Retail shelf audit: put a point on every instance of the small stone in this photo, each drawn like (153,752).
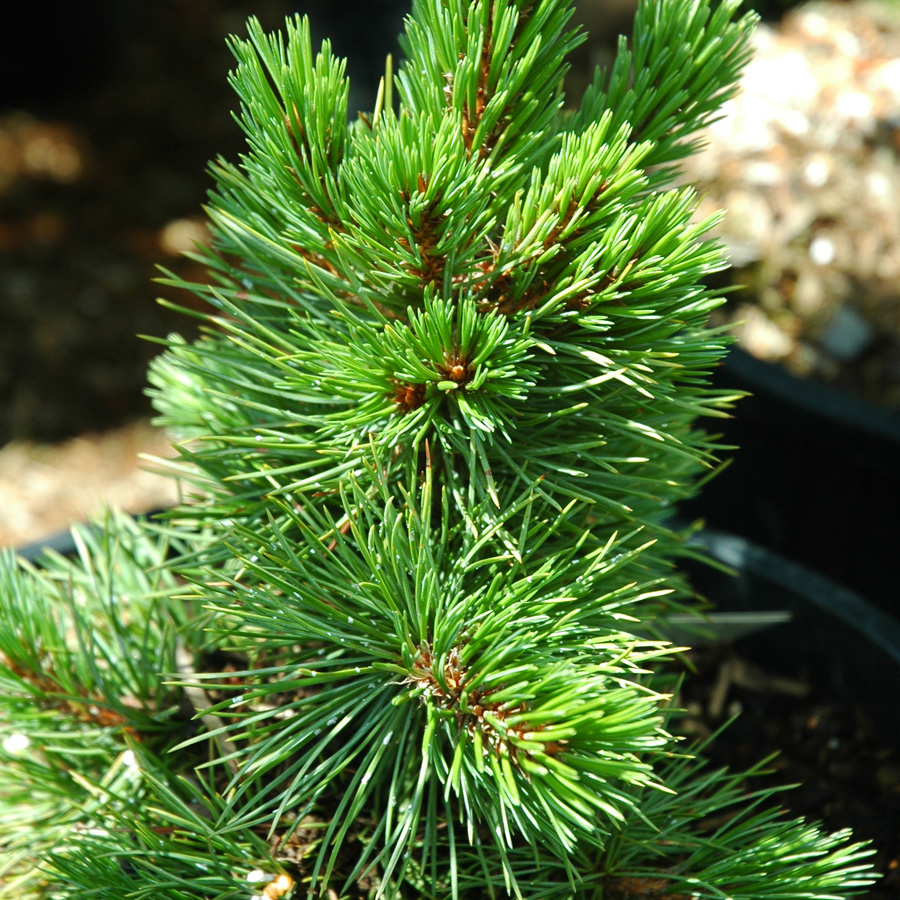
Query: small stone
(760,336)
(817,170)
(821,250)
(847,334)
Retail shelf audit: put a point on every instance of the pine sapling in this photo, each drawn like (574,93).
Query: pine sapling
(406,636)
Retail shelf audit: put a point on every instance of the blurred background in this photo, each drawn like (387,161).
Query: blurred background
(110,111)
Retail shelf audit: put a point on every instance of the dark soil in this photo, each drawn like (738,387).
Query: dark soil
(845,775)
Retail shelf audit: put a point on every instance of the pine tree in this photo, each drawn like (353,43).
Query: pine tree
(406,637)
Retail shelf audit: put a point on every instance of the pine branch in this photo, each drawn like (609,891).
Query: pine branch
(683,64)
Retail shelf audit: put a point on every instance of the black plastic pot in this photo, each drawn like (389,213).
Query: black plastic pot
(825,695)
(835,639)
(816,478)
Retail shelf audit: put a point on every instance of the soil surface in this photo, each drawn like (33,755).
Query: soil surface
(46,487)
(842,772)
